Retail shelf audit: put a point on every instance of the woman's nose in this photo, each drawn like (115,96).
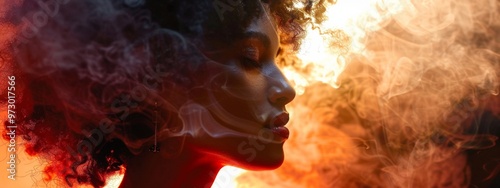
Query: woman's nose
(280,92)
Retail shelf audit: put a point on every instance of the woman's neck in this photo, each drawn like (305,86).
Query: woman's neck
(188,170)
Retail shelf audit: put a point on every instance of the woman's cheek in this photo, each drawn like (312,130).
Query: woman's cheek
(255,83)
(241,85)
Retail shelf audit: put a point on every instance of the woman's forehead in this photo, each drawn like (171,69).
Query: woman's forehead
(265,27)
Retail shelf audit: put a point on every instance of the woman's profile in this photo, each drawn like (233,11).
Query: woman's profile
(167,92)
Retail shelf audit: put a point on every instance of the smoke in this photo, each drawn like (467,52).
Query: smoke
(394,102)
(88,62)
(407,106)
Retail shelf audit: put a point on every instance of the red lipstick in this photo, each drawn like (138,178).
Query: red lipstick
(278,125)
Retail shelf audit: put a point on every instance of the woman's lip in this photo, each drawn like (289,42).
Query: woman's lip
(281,132)
(280,120)
(277,126)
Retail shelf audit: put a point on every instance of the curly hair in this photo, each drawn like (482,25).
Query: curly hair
(86,65)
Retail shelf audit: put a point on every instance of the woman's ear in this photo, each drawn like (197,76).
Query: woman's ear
(151,129)
(136,130)
(138,126)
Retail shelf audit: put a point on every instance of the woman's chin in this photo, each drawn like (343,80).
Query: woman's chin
(269,158)
(241,152)
(264,165)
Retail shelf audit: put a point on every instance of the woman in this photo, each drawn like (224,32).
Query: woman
(167,91)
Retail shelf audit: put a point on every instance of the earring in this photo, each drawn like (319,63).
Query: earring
(155,148)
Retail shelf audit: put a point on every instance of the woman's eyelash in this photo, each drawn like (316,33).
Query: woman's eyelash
(251,53)
(250,63)
(251,58)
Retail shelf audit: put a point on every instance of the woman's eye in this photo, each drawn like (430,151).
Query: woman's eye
(251,58)
(250,63)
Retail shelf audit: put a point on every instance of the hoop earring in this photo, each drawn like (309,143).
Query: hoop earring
(155,148)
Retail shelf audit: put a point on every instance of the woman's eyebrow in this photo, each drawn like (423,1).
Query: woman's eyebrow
(258,35)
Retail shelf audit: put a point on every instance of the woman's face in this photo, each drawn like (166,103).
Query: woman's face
(241,110)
